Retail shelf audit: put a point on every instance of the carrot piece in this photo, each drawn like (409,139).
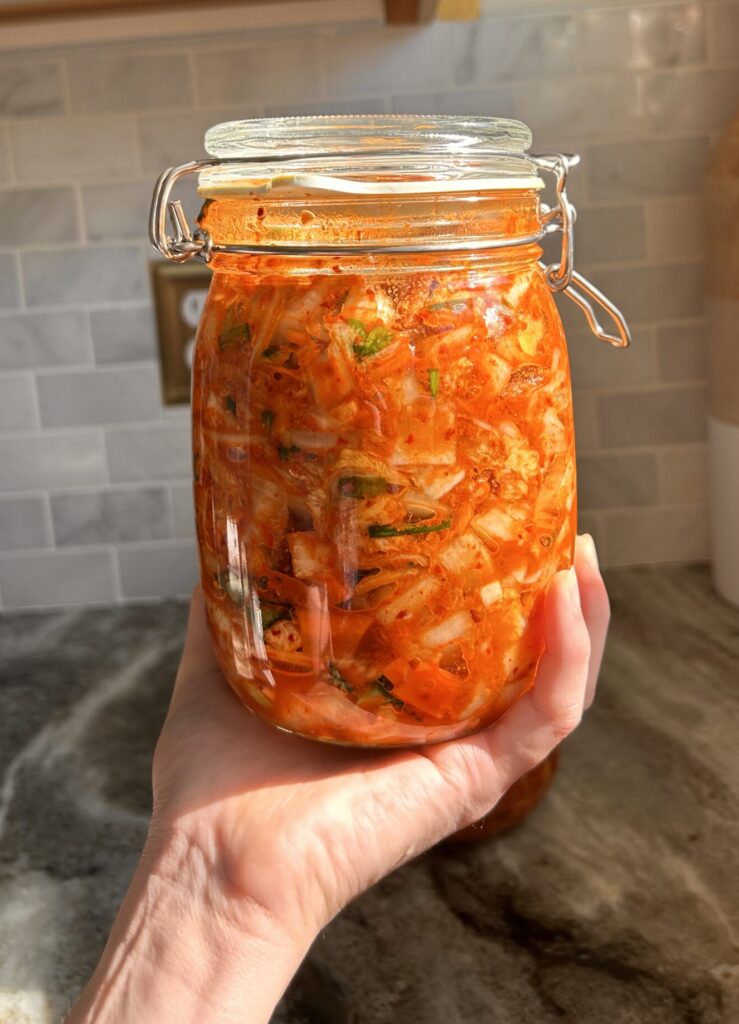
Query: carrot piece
(426,687)
(347,631)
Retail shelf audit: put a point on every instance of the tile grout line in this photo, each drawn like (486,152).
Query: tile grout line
(49,521)
(66,85)
(23,307)
(117,575)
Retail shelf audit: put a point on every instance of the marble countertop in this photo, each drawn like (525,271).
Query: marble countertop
(616,902)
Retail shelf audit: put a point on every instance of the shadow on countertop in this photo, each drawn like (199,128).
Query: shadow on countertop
(613,903)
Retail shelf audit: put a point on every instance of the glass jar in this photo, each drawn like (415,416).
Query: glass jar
(382,418)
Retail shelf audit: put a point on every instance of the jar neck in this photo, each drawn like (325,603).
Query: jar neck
(308,222)
(268,269)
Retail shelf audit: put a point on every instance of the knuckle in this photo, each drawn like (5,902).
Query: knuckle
(566,719)
(580,647)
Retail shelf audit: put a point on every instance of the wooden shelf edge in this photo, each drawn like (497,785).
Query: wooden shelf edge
(411,12)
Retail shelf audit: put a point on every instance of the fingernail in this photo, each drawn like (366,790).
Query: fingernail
(591,551)
(571,587)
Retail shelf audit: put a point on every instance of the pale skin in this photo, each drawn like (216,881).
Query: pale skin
(259,838)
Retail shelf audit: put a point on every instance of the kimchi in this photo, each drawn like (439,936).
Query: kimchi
(385,485)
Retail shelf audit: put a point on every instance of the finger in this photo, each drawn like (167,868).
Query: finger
(198,658)
(595,607)
(485,765)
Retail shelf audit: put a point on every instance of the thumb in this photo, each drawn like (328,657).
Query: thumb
(198,657)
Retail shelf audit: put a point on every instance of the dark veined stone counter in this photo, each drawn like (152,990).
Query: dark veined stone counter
(616,902)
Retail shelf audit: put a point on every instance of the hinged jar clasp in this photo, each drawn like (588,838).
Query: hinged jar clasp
(562,276)
(185,244)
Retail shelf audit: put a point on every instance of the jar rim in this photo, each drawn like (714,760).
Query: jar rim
(369,154)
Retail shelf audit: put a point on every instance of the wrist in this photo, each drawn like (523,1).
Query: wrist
(186,948)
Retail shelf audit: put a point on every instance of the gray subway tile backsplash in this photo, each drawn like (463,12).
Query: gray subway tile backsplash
(118,210)
(675,228)
(675,534)
(183,509)
(105,516)
(723,30)
(287,71)
(10,284)
(74,148)
(370,61)
(139,453)
(152,571)
(649,167)
(94,276)
(23,523)
(308,107)
(639,89)
(43,461)
(598,366)
(120,82)
(29,340)
(682,352)
(611,234)
(5,167)
(509,48)
(123,335)
(650,293)
(467,101)
(690,100)
(613,481)
(683,474)
(554,113)
(31,89)
(31,215)
(169,139)
(57,578)
(642,37)
(120,395)
(649,417)
(17,402)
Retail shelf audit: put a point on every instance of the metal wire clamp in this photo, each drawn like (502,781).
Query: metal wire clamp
(185,244)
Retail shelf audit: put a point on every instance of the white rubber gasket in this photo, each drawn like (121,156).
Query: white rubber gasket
(353,186)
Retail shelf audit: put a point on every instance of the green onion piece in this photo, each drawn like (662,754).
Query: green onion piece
(381,530)
(362,486)
(268,418)
(358,327)
(381,688)
(336,679)
(434,383)
(270,352)
(284,452)
(236,336)
(230,403)
(377,339)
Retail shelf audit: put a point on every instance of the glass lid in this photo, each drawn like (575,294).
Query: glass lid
(369,154)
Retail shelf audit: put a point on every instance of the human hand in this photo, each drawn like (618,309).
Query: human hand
(299,828)
(258,838)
